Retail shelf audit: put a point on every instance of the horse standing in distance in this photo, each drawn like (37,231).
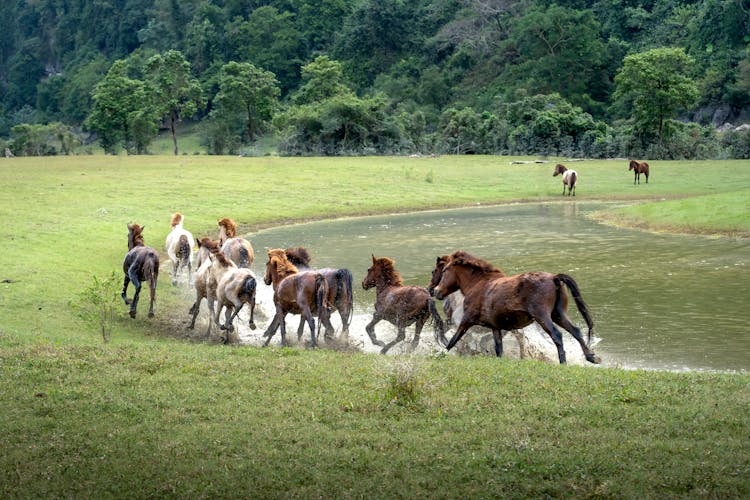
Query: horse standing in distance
(399,304)
(141,264)
(569,178)
(340,288)
(639,167)
(237,249)
(179,246)
(503,303)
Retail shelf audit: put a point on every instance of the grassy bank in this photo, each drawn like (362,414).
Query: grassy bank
(146,415)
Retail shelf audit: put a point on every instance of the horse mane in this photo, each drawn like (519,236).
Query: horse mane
(137,230)
(298,256)
(208,243)
(176,219)
(388,268)
(466,259)
(560,168)
(284,265)
(230,227)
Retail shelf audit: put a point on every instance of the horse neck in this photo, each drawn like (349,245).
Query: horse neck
(468,277)
(136,242)
(278,276)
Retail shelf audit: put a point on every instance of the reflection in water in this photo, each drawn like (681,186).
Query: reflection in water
(659,301)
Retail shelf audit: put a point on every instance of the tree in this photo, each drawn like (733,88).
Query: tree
(173,90)
(120,111)
(654,85)
(323,78)
(245,87)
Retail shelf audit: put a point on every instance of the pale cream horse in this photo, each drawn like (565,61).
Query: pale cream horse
(239,250)
(179,246)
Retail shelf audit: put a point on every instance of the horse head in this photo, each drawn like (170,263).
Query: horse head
(135,236)
(382,273)
(177,220)
(437,273)
(559,169)
(227,229)
(278,267)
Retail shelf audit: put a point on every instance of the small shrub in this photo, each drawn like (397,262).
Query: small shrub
(405,386)
(97,304)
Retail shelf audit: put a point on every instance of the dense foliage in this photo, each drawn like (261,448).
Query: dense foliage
(601,78)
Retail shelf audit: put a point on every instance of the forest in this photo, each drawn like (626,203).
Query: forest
(659,79)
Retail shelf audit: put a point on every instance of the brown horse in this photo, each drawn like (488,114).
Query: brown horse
(239,250)
(141,264)
(295,292)
(569,178)
(453,305)
(503,303)
(639,167)
(340,289)
(399,304)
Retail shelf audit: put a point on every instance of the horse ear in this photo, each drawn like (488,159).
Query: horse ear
(373,258)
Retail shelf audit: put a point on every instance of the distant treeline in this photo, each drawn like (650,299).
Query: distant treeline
(646,78)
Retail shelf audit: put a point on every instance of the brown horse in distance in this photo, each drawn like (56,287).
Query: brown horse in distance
(239,250)
(141,264)
(503,303)
(569,178)
(340,289)
(295,292)
(399,304)
(639,167)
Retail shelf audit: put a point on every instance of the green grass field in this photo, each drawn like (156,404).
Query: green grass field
(150,414)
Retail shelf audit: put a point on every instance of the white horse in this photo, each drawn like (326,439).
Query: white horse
(569,178)
(179,245)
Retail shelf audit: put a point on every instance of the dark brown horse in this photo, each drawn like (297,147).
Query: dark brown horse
(340,292)
(141,264)
(569,178)
(640,167)
(503,303)
(399,304)
(297,293)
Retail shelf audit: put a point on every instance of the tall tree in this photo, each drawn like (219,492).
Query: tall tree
(655,86)
(174,92)
(248,88)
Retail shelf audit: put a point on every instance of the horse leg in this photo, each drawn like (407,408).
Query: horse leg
(563,320)
(307,313)
(194,309)
(556,336)
(272,327)
(498,336)
(251,321)
(418,332)
(466,323)
(175,270)
(399,337)
(136,296)
(370,328)
(152,296)
(125,289)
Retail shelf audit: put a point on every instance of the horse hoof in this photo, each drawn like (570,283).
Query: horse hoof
(132,314)
(150,315)
(593,358)
(252,325)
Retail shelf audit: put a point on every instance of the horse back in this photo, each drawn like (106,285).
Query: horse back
(510,302)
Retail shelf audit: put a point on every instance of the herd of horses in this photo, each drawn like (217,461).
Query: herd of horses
(489,298)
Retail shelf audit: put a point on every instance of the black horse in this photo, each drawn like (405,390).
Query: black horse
(141,264)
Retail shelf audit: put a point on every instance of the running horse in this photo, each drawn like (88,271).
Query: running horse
(569,178)
(639,167)
(399,304)
(504,303)
(141,264)
(239,250)
(179,246)
(295,292)
(206,247)
(340,289)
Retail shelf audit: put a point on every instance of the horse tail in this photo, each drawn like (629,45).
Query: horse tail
(576,293)
(244,258)
(345,292)
(183,248)
(321,291)
(438,322)
(248,286)
(573,178)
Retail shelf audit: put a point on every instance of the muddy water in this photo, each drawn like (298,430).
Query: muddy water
(659,301)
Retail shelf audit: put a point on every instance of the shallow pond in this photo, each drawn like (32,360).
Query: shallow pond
(658,301)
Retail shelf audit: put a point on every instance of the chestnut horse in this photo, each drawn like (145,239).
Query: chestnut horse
(179,246)
(340,289)
(239,250)
(503,303)
(297,293)
(141,264)
(640,167)
(453,304)
(569,178)
(399,304)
